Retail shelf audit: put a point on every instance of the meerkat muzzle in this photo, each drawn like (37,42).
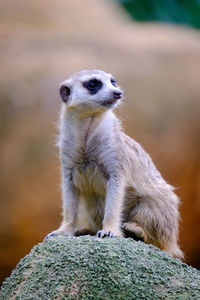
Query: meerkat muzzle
(117,95)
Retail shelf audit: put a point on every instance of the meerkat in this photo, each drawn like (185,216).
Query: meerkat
(110,185)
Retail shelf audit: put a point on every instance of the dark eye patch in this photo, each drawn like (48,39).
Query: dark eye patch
(114,82)
(93,85)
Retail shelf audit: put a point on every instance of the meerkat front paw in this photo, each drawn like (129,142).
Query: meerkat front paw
(55,233)
(49,235)
(60,231)
(108,233)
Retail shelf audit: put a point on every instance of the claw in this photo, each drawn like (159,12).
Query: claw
(105,233)
(49,235)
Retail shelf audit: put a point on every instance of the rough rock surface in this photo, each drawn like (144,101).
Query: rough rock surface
(91,268)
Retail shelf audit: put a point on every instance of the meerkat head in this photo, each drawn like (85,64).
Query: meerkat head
(91,90)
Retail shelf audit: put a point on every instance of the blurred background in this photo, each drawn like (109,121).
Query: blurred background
(153,50)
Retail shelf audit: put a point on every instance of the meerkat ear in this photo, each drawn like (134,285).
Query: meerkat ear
(64,92)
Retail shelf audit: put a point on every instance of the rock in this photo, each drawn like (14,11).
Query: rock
(91,268)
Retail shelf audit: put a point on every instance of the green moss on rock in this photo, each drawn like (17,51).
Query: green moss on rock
(91,268)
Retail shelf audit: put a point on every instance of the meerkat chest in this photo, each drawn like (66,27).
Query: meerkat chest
(87,149)
(88,175)
(84,161)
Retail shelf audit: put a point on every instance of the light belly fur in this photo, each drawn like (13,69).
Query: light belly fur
(91,185)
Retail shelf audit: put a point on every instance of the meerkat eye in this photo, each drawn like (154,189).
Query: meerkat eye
(114,82)
(93,86)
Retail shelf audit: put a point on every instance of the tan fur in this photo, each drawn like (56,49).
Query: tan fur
(109,183)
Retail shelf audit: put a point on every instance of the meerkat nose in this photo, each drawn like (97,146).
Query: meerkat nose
(117,95)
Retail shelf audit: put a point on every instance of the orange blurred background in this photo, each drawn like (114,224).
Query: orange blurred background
(42,43)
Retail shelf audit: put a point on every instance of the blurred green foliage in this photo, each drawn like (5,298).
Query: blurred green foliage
(170,11)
